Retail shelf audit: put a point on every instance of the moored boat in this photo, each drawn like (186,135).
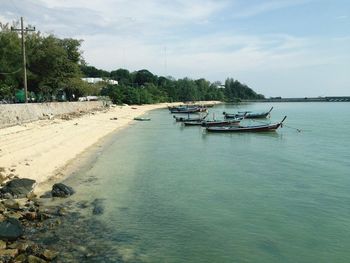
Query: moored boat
(193,123)
(248,114)
(219,123)
(188,119)
(186,110)
(252,128)
(141,119)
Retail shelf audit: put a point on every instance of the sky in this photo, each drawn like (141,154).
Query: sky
(288,48)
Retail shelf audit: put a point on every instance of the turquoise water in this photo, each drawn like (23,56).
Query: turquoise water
(177,194)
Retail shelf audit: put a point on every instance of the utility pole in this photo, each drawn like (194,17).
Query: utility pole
(24,30)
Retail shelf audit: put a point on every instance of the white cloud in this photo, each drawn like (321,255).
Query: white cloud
(264,7)
(134,34)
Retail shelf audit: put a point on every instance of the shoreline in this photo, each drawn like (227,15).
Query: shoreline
(49,151)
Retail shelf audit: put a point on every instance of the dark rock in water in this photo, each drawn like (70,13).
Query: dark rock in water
(10,229)
(21,258)
(98,207)
(82,204)
(34,259)
(18,188)
(61,190)
(49,254)
(6,196)
(98,210)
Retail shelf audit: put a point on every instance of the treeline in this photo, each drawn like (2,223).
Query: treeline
(143,87)
(55,68)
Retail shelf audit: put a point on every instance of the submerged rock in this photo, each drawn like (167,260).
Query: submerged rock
(98,208)
(21,258)
(62,190)
(34,259)
(10,229)
(8,252)
(17,188)
(49,254)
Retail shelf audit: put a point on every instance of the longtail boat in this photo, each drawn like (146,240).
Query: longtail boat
(188,119)
(193,123)
(254,128)
(186,110)
(220,123)
(141,119)
(214,123)
(248,114)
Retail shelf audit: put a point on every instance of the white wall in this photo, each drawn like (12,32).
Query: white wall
(13,114)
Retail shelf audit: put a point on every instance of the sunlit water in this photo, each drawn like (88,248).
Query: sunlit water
(178,194)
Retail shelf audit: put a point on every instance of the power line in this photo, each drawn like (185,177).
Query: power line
(10,73)
(24,30)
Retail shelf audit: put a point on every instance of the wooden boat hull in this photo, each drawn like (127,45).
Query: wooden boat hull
(256,128)
(244,129)
(248,115)
(187,110)
(142,119)
(220,123)
(192,123)
(188,119)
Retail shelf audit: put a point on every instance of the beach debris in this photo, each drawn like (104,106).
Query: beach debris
(114,119)
(10,229)
(62,190)
(134,108)
(18,188)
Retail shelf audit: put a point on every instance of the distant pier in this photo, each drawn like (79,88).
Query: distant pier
(305,99)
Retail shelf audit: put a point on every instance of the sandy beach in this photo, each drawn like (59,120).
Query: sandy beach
(41,149)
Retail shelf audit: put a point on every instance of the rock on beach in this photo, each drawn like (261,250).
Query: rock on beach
(17,188)
(62,190)
(10,229)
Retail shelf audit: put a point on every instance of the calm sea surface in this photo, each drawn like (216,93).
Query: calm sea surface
(170,193)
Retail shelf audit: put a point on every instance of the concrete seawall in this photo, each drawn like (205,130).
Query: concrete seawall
(13,114)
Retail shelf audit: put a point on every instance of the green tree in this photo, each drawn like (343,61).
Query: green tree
(122,76)
(10,62)
(144,76)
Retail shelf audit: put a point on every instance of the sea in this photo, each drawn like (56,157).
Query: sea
(158,191)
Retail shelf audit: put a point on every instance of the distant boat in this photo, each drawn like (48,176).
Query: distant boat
(141,119)
(187,109)
(219,123)
(188,119)
(254,128)
(193,123)
(248,114)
